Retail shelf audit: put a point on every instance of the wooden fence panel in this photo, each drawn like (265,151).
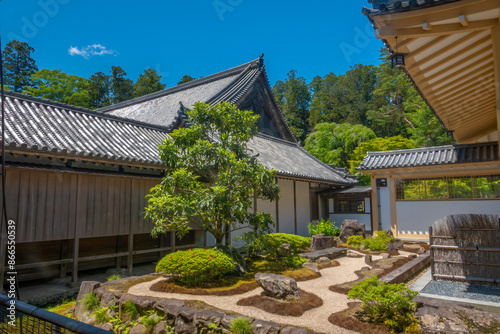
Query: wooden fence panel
(466,253)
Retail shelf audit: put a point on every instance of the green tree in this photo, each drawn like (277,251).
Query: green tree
(334,143)
(293,97)
(377,145)
(18,65)
(148,83)
(211,183)
(99,88)
(59,86)
(186,78)
(122,88)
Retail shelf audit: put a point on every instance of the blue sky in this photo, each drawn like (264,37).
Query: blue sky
(197,37)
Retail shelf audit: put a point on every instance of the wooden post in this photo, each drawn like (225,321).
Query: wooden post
(63,255)
(277,216)
(295,206)
(76,251)
(374,203)
(431,251)
(130,262)
(392,199)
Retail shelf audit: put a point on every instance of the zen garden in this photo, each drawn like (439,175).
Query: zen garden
(365,202)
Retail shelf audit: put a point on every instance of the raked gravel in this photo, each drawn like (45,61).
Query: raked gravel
(315,319)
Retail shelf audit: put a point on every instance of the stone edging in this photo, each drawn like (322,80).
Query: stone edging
(408,270)
(183,319)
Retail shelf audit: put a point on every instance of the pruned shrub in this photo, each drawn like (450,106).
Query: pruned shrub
(355,241)
(388,304)
(325,227)
(270,244)
(195,266)
(294,261)
(376,243)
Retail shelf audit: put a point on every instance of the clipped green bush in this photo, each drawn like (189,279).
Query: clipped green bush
(241,326)
(355,241)
(270,244)
(324,226)
(388,304)
(376,243)
(294,261)
(195,266)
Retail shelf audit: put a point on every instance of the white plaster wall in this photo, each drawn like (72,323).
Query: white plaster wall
(303,208)
(267,207)
(287,218)
(417,216)
(234,241)
(384,208)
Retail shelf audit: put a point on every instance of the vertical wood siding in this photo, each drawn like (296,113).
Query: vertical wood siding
(50,205)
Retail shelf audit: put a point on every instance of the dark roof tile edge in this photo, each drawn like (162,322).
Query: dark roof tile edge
(195,83)
(90,112)
(378,12)
(430,149)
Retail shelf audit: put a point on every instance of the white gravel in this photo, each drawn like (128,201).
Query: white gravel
(315,319)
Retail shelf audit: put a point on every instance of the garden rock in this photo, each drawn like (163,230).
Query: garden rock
(142,303)
(385,255)
(85,288)
(138,329)
(106,297)
(311,266)
(294,330)
(395,244)
(320,241)
(285,250)
(368,259)
(421,250)
(227,320)
(107,327)
(206,318)
(111,313)
(185,315)
(160,328)
(265,327)
(278,286)
(88,318)
(324,259)
(183,328)
(351,227)
(412,256)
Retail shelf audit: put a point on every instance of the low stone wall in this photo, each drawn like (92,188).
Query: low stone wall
(180,317)
(408,270)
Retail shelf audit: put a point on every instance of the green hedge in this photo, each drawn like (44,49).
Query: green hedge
(196,266)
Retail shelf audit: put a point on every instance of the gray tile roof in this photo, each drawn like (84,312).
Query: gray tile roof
(289,159)
(40,126)
(382,7)
(430,156)
(161,108)
(45,126)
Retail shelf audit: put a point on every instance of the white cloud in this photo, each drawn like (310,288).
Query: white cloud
(90,50)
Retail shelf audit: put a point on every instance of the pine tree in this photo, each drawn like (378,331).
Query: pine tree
(18,65)
(148,83)
(122,89)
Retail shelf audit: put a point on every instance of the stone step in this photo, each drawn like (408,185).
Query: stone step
(330,253)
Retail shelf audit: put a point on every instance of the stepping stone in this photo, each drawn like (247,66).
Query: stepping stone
(330,253)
